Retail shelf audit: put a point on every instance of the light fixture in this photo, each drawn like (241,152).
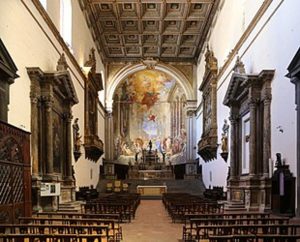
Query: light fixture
(90,63)
(87,67)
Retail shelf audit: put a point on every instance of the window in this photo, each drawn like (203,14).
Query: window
(44,4)
(66,21)
(245,143)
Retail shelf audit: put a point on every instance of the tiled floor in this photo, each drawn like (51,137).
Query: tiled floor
(151,224)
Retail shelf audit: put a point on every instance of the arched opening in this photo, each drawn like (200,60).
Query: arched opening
(148,126)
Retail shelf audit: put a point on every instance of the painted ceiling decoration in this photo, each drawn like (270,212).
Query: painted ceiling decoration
(169,30)
(149,106)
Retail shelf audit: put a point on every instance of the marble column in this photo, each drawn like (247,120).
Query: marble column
(252,148)
(233,146)
(266,134)
(49,134)
(109,137)
(173,111)
(69,169)
(190,131)
(34,134)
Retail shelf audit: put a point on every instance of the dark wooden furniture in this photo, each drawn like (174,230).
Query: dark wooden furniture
(216,193)
(15,177)
(283,191)
(8,73)
(114,230)
(53,237)
(208,145)
(124,204)
(252,231)
(255,238)
(86,194)
(93,145)
(179,204)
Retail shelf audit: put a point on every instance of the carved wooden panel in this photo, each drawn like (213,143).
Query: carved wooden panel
(15,178)
(92,144)
(207,146)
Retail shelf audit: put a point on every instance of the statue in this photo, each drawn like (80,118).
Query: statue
(76,140)
(224,139)
(150,146)
(278,160)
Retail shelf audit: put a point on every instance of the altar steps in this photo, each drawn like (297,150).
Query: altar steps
(195,187)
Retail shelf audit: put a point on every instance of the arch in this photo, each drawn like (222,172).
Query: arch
(128,70)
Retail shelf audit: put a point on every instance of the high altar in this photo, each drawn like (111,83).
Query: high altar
(150,167)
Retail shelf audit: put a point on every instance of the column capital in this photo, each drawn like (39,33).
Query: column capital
(68,116)
(253,101)
(109,114)
(34,98)
(233,118)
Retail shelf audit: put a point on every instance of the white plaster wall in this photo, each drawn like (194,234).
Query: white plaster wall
(271,45)
(30,46)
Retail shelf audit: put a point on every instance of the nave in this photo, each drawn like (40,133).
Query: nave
(176,217)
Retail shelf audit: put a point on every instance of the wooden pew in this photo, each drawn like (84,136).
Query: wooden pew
(54,229)
(79,215)
(255,238)
(123,204)
(179,204)
(114,227)
(209,231)
(52,238)
(190,228)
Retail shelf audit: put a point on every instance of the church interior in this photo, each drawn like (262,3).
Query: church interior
(149,120)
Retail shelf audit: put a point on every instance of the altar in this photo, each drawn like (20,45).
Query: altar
(150,168)
(151,190)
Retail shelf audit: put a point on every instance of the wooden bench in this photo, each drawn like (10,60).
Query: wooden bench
(54,229)
(53,238)
(180,204)
(123,204)
(255,238)
(209,231)
(190,228)
(79,215)
(113,225)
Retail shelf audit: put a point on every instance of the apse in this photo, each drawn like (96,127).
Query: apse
(149,105)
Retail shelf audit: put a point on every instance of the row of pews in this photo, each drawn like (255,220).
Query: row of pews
(85,226)
(123,204)
(182,205)
(209,222)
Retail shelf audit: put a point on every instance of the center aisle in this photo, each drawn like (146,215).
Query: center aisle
(151,224)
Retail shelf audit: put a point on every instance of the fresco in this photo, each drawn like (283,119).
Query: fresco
(142,112)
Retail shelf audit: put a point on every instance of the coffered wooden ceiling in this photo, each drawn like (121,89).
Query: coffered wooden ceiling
(169,30)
